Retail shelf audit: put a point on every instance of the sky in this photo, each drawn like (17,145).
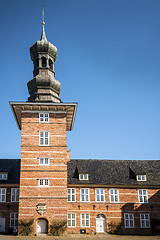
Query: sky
(108,62)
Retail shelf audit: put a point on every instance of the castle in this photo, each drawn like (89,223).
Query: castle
(47,186)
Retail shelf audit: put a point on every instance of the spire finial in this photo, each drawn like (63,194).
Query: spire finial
(43,36)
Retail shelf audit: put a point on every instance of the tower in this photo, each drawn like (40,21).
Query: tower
(43,121)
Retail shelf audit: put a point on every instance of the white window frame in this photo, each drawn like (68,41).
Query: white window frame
(2,194)
(112,193)
(42,180)
(3,176)
(14,218)
(42,161)
(144,218)
(85,194)
(71,195)
(84,220)
(14,194)
(83,176)
(142,196)
(72,218)
(127,217)
(44,137)
(141,177)
(100,197)
(43,117)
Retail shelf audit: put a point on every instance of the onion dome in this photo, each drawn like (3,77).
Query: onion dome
(43,46)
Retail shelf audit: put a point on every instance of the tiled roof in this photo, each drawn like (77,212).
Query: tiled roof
(114,172)
(12,167)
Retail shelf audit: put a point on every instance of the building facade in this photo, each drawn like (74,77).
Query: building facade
(46,186)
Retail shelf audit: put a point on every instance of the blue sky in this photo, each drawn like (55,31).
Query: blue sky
(108,62)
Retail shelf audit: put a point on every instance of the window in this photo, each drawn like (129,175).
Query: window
(145,220)
(71,194)
(83,176)
(129,220)
(3,176)
(142,195)
(141,177)
(43,62)
(85,220)
(13,219)
(43,138)
(99,195)
(50,64)
(71,220)
(2,194)
(43,161)
(43,182)
(84,195)
(44,117)
(14,194)
(114,195)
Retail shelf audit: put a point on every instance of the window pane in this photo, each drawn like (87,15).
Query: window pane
(46,160)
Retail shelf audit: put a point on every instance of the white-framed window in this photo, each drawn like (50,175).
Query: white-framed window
(114,195)
(71,194)
(43,161)
(83,176)
(100,195)
(43,182)
(71,220)
(129,220)
(3,176)
(14,219)
(142,196)
(84,194)
(85,220)
(43,138)
(43,117)
(14,194)
(145,220)
(141,177)
(2,194)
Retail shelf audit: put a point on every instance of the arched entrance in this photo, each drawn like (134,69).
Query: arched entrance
(100,223)
(42,226)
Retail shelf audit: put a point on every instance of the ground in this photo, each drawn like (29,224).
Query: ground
(78,237)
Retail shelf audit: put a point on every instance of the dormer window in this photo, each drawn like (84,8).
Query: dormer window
(141,177)
(83,176)
(3,176)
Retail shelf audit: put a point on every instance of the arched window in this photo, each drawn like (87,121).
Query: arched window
(43,62)
(50,64)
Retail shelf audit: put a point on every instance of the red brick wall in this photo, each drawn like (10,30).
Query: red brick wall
(128,203)
(55,195)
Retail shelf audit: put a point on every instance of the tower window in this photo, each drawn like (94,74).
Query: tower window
(50,64)
(44,117)
(43,138)
(43,62)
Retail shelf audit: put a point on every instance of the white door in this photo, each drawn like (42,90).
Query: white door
(100,224)
(41,226)
(2,224)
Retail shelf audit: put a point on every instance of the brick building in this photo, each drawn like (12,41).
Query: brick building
(45,185)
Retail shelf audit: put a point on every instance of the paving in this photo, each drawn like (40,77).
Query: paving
(78,237)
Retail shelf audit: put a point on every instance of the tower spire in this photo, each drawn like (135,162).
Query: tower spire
(43,36)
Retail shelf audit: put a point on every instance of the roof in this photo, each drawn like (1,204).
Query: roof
(12,167)
(114,172)
(68,108)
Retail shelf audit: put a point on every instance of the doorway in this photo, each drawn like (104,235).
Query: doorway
(100,223)
(2,224)
(42,226)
